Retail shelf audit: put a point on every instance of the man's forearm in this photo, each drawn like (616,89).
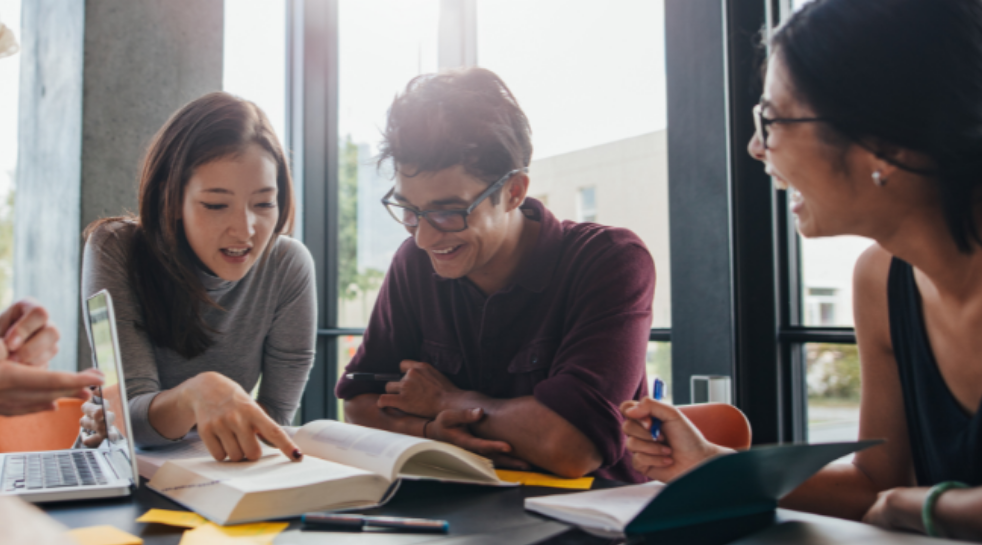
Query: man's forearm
(536,433)
(364,411)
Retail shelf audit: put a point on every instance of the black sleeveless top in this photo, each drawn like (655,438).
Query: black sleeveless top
(945,442)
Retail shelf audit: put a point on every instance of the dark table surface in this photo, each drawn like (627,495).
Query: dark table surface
(470,510)
(486,512)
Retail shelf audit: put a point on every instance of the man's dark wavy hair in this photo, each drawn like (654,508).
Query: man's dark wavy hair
(463,117)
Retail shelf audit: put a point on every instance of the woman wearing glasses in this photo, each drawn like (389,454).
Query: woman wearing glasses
(208,295)
(872,119)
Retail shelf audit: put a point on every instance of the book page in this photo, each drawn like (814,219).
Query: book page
(269,472)
(373,450)
(445,462)
(608,509)
(150,460)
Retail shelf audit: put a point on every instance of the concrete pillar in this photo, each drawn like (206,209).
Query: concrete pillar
(97,81)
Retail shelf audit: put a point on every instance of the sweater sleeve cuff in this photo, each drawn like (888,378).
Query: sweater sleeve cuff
(144,434)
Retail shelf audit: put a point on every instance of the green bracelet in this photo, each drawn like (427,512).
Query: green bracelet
(927,510)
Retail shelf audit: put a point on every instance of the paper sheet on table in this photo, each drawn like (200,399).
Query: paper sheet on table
(259,533)
(610,509)
(103,535)
(182,519)
(529,478)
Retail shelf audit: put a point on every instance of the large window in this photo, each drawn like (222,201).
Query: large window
(9,92)
(598,122)
(382,45)
(254,59)
(821,317)
(831,370)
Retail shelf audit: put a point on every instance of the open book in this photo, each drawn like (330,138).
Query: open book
(344,467)
(746,483)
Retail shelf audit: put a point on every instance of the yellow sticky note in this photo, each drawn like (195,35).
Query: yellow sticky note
(529,478)
(183,519)
(103,535)
(259,533)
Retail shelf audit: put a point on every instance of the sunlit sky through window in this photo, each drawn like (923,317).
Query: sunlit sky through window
(560,57)
(585,72)
(255,56)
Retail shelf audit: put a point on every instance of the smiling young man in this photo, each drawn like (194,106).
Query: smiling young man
(518,334)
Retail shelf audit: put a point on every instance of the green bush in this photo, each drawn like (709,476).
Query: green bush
(833,371)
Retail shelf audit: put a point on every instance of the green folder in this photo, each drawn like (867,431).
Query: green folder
(737,485)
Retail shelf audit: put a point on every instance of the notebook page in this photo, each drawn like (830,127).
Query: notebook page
(609,509)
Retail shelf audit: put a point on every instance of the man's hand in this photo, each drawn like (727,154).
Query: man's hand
(28,336)
(679,448)
(451,426)
(25,389)
(423,391)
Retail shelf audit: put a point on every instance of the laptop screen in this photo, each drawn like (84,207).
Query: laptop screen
(112,395)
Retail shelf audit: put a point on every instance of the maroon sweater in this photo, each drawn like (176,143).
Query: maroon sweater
(571,331)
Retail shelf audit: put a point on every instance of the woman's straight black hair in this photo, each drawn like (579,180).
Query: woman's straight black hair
(898,73)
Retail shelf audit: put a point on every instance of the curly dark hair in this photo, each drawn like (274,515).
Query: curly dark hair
(463,117)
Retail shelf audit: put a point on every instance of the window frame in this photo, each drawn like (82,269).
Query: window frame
(751,328)
(312,136)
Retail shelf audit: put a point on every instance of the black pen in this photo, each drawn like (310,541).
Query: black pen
(380,377)
(337,521)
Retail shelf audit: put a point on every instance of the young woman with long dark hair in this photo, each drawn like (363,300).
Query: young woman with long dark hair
(209,296)
(871,117)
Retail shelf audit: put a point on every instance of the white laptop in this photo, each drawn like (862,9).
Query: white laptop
(82,473)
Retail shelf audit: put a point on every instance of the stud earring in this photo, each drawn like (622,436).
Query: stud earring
(878,179)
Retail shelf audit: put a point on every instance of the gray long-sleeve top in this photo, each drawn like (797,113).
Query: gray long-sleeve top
(268,328)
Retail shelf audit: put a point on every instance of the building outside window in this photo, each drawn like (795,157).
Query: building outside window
(587,209)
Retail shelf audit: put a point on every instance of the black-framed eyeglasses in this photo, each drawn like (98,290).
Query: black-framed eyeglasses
(761,122)
(448,221)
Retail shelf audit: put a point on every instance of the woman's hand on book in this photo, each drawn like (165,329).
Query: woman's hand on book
(679,447)
(423,391)
(452,426)
(230,422)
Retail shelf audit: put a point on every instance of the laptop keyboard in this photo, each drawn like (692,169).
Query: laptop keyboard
(51,470)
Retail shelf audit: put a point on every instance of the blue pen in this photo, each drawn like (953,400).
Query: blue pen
(657,395)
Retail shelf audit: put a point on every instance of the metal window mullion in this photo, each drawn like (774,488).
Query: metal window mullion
(313,59)
(794,395)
